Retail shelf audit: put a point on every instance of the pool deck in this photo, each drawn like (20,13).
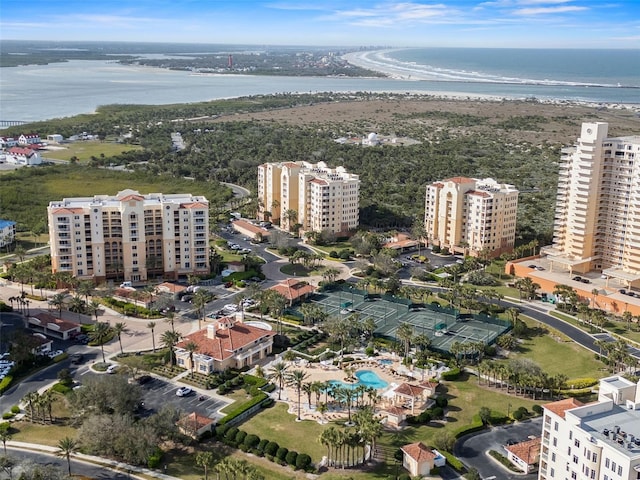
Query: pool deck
(323,373)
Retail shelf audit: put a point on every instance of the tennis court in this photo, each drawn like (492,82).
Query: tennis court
(442,325)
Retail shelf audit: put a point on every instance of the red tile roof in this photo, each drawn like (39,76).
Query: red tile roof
(250,227)
(227,341)
(131,196)
(410,390)
(193,205)
(21,151)
(419,452)
(527,451)
(562,406)
(459,180)
(290,164)
(68,211)
(171,287)
(293,289)
(479,193)
(437,184)
(195,420)
(319,181)
(49,321)
(393,410)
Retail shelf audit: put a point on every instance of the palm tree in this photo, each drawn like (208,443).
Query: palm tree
(200,300)
(205,460)
(404,333)
(151,326)
(99,334)
(170,318)
(191,348)
(58,301)
(94,308)
(118,329)
(5,436)
(279,373)
(31,399)
(170,339)
(67,447)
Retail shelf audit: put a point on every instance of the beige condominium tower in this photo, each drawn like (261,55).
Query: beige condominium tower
(130,236)
(313,195)
(597,219)
(471,216)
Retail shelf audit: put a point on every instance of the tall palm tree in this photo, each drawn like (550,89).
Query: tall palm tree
(94,308)
(58,301)
(191,348)
(404,333)
(5,436)
(204,460)
(67,447)
(170,319)
(118,329)
(169,339)
(151,326)
(99,335)
(200,300)
(279,373)
(31,399)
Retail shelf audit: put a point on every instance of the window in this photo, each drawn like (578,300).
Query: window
(555,426)
(575,459)
(594,457)
(607,462)
(619,469)
(555,442)
(553,457)
(574,475)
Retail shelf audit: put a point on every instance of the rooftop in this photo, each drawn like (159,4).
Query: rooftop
(418,451)
(603,425)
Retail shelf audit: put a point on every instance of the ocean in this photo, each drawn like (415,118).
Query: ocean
(41,92)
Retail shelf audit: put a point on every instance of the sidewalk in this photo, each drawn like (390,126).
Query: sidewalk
(105,462)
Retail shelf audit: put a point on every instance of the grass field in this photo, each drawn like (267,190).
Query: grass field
(547,349)
(85,150)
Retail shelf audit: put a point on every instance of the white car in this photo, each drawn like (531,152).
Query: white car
(112,369)
(183,391)
(230,307)
(54,353)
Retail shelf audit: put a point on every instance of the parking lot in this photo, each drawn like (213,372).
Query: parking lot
(158,393)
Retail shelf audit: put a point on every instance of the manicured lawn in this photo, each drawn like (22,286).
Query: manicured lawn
(277,425)
(85,150)
(44,434)
(547,350)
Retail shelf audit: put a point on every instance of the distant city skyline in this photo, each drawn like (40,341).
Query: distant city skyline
(409,23)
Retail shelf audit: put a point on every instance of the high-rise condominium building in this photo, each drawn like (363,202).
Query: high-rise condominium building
(130,236)
(597,220)
(471,216)
(599,440)
(317,197)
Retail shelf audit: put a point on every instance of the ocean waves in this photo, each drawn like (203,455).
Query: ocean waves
(383,61)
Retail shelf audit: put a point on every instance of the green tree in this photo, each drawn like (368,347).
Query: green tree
(99,335)
(170,339)
(151,326)
(205,461)
(118,329)
(191,348)
(67,447)
(279,374)
(485,415)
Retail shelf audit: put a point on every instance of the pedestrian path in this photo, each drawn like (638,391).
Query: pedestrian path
(105,462)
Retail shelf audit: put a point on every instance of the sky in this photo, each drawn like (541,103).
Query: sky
(395,23)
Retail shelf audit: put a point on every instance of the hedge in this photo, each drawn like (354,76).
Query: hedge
(475,426)
(580,383)
(240,409)
(303,461)
(452,374)
(453,461)
(5,382)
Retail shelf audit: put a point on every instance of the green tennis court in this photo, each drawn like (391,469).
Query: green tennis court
(443,326)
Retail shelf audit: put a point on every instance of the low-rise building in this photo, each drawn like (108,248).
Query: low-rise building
(52,326)
(23,156)
(224,343)
(524,455)
(294,290)
(419,459)
(7,232)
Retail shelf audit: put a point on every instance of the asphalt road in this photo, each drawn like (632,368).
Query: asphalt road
(472,449)
(77,467)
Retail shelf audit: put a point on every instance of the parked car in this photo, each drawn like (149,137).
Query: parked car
(112,369)
(585,280)
(144,379)
(577,279)
(184,391)
(54,353)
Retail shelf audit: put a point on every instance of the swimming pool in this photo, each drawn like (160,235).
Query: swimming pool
(368,378)
(385,361)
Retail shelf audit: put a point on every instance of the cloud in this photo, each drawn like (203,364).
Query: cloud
(548,10)
(386,14)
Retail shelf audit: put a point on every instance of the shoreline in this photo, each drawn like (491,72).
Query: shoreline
(361,59)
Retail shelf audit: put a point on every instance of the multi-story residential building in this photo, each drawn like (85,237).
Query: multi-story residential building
(130,236)
(597,219)
(471,216)
(599,440)
(7,232)
(323,198)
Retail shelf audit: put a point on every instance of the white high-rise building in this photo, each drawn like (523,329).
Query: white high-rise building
(317,197)
(597,219)
(599,440)
(470,216)
(130,236)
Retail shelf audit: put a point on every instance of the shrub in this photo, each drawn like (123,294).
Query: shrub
(370,351)
(8,415)
(262,445)
(15,409)
(271,448)
(251,441)
(61,388)
(580,383)
(345,255)
(518,414)
(231,434)
(240,436)
(221,430)
(424,417)
(333,254)
(453,461)
(452,374)
(5,382)
(537,409)
(291,458)
(155,458)
(437,412)
(303,461)
(442,401)
(281,453)
(404,476)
